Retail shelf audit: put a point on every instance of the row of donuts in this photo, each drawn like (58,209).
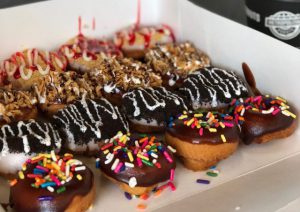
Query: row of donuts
(84,123)
(136,163)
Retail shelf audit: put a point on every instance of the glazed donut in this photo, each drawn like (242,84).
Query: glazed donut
(137,164)
(49,182)
(57,90)
(83,53)
(22,69)
(22,140)
(203,139)
(17,106)
(175,61)
(213,88)
(135,41)
(118,75)
(263,118)
(149,109)
(87,122)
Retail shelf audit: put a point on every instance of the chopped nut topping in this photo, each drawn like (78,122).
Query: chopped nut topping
(13,103)
(181,59)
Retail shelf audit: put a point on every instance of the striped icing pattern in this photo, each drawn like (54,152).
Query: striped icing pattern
(28,137)
(140,101)
(86,122)
(213,86)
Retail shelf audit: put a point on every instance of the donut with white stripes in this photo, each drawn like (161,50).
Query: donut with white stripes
(24,139)
(149,109)
(87,122)
(213,88)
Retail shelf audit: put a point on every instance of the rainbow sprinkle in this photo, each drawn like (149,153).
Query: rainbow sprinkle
(209,122)
(142,152)
(259,104)
(51,172)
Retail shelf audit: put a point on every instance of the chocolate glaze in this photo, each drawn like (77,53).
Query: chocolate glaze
(190,135)
(257,124)
(145,175)
(25,198)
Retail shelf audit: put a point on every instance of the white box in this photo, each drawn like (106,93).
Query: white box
(275,65)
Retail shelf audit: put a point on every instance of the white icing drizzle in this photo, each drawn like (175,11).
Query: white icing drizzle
(216,82)
(158,96)
(43,133)
(22,73)
(91,120)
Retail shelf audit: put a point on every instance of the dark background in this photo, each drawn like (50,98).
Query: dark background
(233,9)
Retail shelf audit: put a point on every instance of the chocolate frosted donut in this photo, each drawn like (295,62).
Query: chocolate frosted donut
(136,164)
(203,139)
(263,118)
(87,122)
(22,140)
(49,182)
(213,88)
(149,109)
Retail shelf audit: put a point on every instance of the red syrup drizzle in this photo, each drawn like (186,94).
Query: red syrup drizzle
(94,24)
(79,26)
(138,15)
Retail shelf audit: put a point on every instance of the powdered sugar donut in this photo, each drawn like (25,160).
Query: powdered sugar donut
(87,122)
(22,140)
(213,88)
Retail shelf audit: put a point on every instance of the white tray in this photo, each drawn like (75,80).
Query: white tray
(275,65)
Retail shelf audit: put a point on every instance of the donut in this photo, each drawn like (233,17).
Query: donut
(22,69)
(175,61)
(148,109)
(17,106)
(263,118)
(57,90)
(213,88)
(87,122)
(118,75)
(24,139)
(135,163)
(49,182)
(84,53)
(135,41)
(203,139)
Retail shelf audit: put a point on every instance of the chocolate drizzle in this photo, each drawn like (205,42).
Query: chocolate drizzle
(213,87)
(86,122)
(28,137)
(153,104)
